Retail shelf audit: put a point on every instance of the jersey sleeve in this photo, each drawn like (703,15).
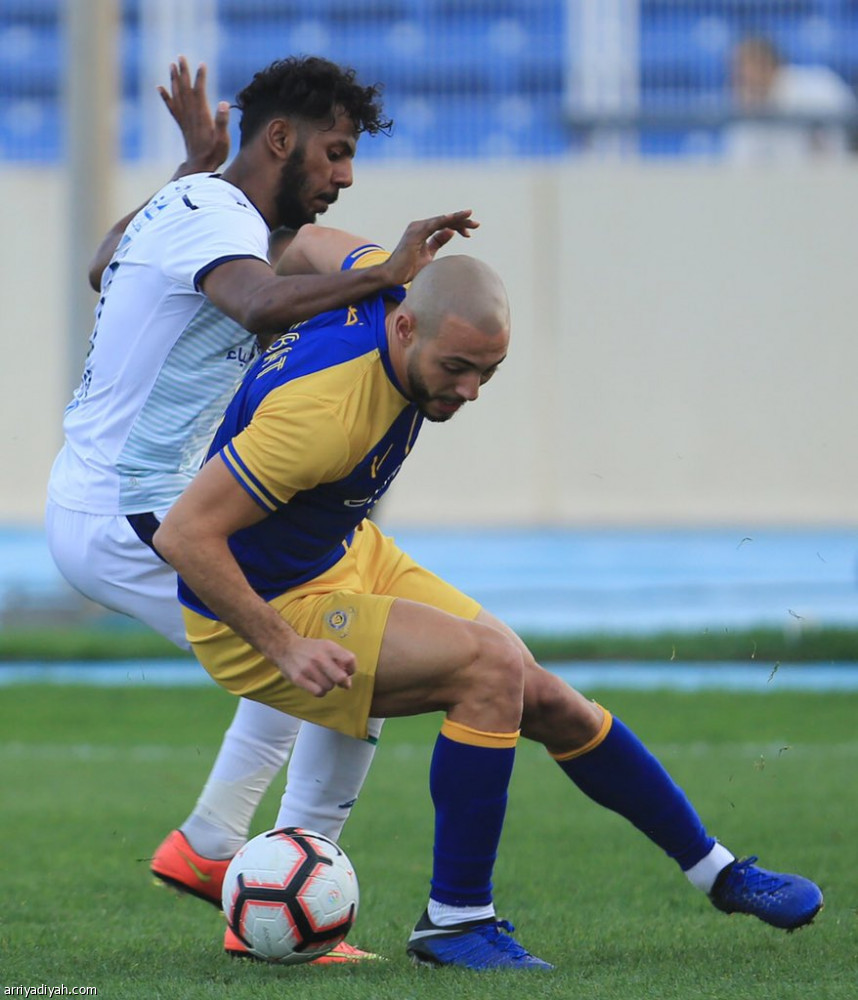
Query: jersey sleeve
(367,255)
(203,231)
(293,443)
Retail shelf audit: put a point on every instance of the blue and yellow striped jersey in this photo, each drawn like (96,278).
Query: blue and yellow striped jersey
(316,432)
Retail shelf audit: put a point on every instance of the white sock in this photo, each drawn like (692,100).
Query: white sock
(254,749)
(702,875)
(444,915)
(325,776)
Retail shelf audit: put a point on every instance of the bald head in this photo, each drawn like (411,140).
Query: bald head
(449,335)
(462,287)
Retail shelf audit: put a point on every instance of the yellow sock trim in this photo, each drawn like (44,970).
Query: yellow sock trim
(460,733)
(604,729)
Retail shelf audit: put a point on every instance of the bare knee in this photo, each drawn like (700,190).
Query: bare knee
(490,685)
(557,715)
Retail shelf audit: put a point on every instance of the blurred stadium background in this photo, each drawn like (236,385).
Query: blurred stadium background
(464,78)
(683,316)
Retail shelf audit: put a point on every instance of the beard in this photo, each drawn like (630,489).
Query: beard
(291,210)
(421,397)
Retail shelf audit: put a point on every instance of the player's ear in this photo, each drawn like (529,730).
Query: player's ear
(282,137)
(405,327)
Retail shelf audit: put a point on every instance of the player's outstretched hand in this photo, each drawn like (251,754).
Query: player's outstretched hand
(423,239)
(317,665)
(206,137)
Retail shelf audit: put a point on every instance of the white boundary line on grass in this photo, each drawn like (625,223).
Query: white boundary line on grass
(758,755)
(584,676)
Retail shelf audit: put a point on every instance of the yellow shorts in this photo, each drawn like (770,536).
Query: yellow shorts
(348,604)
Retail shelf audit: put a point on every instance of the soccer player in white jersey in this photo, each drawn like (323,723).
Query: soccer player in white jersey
(186,300)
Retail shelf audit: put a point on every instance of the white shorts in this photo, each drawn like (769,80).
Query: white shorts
(102,557)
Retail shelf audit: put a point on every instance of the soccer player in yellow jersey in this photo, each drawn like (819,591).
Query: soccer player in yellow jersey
(294,598)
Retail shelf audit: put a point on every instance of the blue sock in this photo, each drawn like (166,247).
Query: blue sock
(621,774)
(468,780)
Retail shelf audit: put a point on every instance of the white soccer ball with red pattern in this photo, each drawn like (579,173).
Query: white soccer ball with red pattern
(290,895)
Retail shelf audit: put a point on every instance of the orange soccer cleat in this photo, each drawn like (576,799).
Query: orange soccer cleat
(178,865)
(343,954)
(347,954)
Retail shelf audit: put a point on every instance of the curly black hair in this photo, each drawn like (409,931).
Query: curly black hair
(310,88)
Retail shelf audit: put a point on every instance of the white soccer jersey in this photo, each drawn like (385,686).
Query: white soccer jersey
(163,361)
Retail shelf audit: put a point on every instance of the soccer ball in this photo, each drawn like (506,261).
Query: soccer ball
(290,895)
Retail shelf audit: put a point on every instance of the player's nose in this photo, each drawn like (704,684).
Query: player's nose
(468,387)
(344,174)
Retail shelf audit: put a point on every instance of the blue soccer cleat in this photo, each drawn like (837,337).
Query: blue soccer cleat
(476,945)
(785,901)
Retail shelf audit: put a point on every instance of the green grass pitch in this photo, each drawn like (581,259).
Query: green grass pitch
(91,779)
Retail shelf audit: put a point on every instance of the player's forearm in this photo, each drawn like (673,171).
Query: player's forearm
(284,301)
(208,567)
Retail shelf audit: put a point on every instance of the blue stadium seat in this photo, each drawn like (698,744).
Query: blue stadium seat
(373,52)
(736,9)
(334,12)
(453,63)
(684,56)
(535,11)
(498,55)
(247,47)
(459,127)
(31,129)
(687,39)
(684,143)
(845,61)
(31,61)
(809,41)
(36,13)
(129,61)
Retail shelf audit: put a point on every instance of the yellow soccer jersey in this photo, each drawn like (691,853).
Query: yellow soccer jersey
(316,432)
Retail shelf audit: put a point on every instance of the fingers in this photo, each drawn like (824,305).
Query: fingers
(183,75)
(221,118)
(180,83)
(422,240)
(438,240)
(460,222)
(327,680)
(206,137)
(440,229)
(173,98)
(200,80)
(338,668)
(325,666)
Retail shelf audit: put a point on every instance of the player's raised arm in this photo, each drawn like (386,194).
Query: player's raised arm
(206,146)
(319,250)
(266,302)
(206,137)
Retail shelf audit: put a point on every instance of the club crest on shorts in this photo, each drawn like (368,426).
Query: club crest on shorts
(339,621)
